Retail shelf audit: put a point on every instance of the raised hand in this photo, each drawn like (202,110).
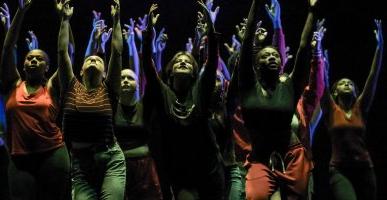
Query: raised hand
(241,29)
(64,9)
(5,16)
(312,3)
(96,16)
(189,45)
(105,36)
(152,18)
(318,35)
(24,4)
(161,41)
(115,9)
(379,33)
(130,32)
(207,16)
(33,42)
(260,33)
(201,26)
(213,14)
(234,47)
(141,26)
(288,55)
(274,12)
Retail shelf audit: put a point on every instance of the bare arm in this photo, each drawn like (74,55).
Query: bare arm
(274,12)
(207,80)
(368,93)
(65,71)
(9,74)
(115,63)
(153,81)
(246,74)
(300,63)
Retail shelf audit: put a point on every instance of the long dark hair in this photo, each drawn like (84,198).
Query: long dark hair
(168,69)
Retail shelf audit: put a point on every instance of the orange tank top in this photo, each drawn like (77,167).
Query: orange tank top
(31,121)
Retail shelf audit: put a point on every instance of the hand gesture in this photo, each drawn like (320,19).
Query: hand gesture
(379,33)
(201,26)
(288,56)
(24,4)
(207,15)
(189,45)
(234,47)
(312,3)
(105,36)
(241,29)
(213,14)
(128,34)
(161,41)
(96,16)
(64,9)
(274,11)
(5,16)
(115,9)
(318,35)
(33,42)
(152,18)
(141,26)
(142,22)
(260,33)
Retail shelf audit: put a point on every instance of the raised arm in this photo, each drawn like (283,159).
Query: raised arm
(65,70)
(134,60)
(113,78)
(274,12)
(300,64)
(327,99)
(315,88)
(246,72)
(98,26)
(153,84)
(9,74)
(368,93)
(160,44)
(208,77)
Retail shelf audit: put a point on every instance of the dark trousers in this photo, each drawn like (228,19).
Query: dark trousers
(351,183)
(209,187)
(40,176)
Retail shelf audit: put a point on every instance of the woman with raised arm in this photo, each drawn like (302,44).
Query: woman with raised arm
(192,158)
(268,102)
(98,164)
(39,158)
(141,177)
(351,169)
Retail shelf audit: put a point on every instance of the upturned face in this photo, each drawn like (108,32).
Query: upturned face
(128,81)
(269,59)
(182,65)
(345,86)
(36,62)
(93,64)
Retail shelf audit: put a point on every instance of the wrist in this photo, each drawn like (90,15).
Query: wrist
(277,24)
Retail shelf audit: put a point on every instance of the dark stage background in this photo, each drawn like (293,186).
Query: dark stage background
(349,38)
